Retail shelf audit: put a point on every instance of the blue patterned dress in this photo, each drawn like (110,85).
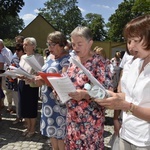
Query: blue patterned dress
(53,115)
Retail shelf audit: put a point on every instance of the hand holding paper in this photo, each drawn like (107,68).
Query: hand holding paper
(63,86)
(89,75)
(14,72)
(45,75)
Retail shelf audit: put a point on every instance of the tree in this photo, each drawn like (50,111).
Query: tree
(126,11)
(96,23)
(118,20)
(64,15)
(11,27)
(10,21)
(141,7)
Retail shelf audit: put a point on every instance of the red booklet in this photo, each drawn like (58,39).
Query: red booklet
(45,75)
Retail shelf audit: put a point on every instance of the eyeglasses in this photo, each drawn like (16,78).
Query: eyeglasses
(50,44)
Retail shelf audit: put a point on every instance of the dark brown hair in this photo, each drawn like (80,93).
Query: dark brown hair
(19,47)
(139,27)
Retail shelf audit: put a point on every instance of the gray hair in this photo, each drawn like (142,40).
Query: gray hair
(31,40)
(82,31)
(2,42)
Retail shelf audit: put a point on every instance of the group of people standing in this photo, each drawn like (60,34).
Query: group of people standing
(79,124)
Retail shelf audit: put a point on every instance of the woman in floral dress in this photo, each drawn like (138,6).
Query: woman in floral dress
(85,118)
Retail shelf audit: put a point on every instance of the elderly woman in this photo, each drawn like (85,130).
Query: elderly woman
(85,118)
(53,116)
(27,93)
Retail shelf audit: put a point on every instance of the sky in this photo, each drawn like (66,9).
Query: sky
(103,7)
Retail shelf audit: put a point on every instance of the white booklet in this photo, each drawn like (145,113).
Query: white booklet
(9,73)
(19,71)
(31,60)
(93,80)
(63,86)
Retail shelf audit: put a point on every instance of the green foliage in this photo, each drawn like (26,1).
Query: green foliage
(10,21)
(126,11)
(118,20)
(10,27)
(10,7)
(141,6)
(64,15)
(96,23)
(9,42)
(40,51)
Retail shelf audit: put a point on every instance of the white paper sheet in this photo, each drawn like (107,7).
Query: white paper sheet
(63,86)
(89,75)
(87,72)
(9,73)
(33,63)
(19,72)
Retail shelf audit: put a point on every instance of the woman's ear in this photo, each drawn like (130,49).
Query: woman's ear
(91,42)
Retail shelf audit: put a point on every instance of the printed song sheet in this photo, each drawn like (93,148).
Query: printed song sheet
(45,75)
(87,72)
(89,75)
(63,86)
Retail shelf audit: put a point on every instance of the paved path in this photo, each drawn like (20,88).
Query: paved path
(11,135)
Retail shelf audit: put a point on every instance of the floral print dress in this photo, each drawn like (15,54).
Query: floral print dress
(53,115)
(85,118)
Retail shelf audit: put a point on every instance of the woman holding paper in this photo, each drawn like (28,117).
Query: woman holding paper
(28,94)
(53,115)
(12,83)
(135,102)
(85,118)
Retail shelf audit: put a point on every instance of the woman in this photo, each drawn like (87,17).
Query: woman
(53,116)
(135,129)
(122,88)
(85,118)
(29,95)
(12,84)
(116,69)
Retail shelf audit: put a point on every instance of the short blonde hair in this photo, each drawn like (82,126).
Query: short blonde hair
(101,51)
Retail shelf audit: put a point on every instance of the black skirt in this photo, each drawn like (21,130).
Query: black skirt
(28,98)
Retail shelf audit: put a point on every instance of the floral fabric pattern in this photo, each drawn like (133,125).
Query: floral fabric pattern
(85,118)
